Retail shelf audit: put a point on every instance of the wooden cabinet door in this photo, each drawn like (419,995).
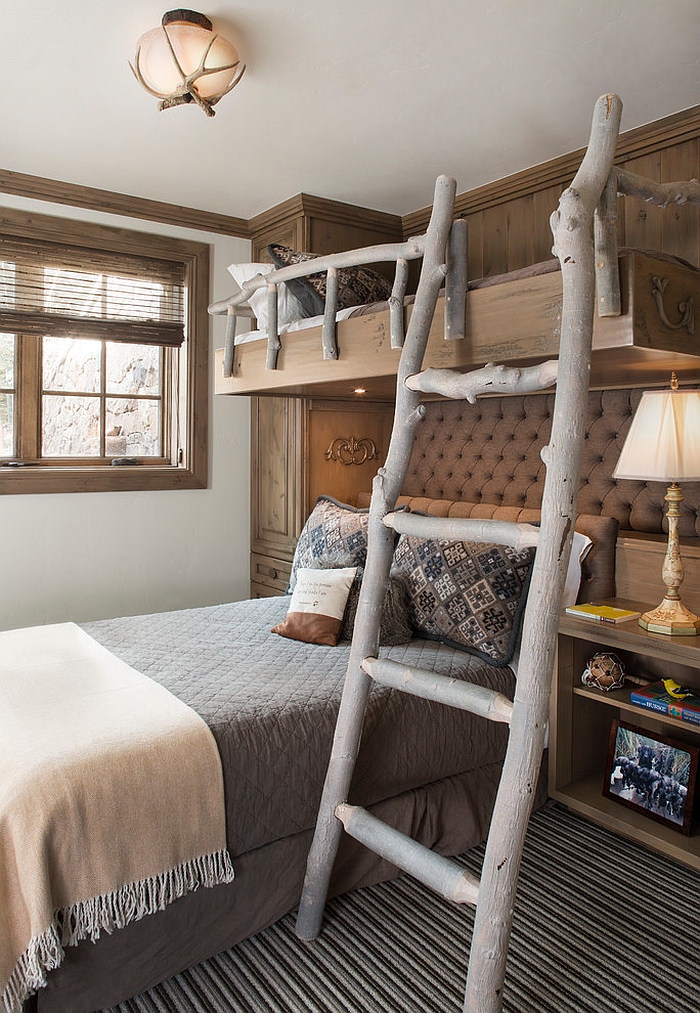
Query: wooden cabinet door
(278,476)
(302,449)
(347,443)
(289,234)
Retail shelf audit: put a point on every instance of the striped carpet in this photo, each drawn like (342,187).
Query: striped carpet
(601,926)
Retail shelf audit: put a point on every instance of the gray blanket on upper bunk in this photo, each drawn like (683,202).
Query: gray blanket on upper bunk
(271,704)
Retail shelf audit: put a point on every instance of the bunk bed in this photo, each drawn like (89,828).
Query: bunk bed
(270,701)
(514,317)
(266,711)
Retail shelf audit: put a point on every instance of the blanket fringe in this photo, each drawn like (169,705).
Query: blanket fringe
(43,954)
(88,919)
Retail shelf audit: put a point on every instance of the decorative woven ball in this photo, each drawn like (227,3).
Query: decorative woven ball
(604,671)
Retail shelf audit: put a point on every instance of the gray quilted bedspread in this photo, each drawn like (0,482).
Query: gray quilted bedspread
(271,704)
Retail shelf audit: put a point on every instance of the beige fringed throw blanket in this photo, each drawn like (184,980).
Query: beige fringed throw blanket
(111,800)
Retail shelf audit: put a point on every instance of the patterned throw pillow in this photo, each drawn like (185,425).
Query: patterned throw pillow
(335,534)
(356,285)
(469,595)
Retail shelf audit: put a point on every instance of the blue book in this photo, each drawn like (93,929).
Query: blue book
(680,702)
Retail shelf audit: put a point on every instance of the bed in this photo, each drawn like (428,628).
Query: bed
(491,468)
(264,696)
(271,703)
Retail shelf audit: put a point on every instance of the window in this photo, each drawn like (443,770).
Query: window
(104,339)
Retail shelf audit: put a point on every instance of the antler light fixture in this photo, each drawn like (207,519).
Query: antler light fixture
(186,61)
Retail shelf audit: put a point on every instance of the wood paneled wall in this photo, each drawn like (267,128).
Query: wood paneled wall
(509,220)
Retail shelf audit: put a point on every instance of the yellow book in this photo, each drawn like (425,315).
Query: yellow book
(602,613)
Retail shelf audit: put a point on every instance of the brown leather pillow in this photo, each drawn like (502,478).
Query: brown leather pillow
(316,611)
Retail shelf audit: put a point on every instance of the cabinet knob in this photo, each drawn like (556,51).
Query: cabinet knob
(273,573)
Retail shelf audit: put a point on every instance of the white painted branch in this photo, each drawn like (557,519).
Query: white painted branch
(660,194)
(464,529)
(273,337)
(443,876)
(230,342)
(385,490)
(480,700)
(412,249)
(243,311)
(487,380)
(396,304)
(328,331)
(456,284)
(439,274)
(605,239)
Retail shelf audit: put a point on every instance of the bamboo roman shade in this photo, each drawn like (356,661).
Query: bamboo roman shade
(48,288)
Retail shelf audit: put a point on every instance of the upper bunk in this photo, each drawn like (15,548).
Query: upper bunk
(644,320)
(514,318)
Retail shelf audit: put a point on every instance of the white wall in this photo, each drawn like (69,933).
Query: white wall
(80,556)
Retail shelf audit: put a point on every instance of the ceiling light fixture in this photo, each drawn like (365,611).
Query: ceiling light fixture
(186,61)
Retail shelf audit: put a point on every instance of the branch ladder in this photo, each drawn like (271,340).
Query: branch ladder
(585,211)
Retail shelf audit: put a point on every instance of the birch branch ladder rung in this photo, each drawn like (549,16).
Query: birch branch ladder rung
(464,529)
(445,877)
(481,700)
(490,379)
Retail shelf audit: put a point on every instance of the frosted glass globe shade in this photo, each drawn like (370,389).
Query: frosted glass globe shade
(189,43)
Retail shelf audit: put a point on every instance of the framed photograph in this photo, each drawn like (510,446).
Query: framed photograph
(652,774)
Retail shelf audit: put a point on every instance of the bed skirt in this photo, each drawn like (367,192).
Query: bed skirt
(451,816)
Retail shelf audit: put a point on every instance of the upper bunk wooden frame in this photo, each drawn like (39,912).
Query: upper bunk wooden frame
(518,321)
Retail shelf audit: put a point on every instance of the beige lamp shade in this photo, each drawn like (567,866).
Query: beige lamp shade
(186,61)
(663,443)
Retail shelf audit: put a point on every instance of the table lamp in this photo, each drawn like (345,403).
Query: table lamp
(663,445)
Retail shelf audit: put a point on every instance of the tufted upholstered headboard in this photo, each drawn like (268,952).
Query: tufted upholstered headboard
(488,453)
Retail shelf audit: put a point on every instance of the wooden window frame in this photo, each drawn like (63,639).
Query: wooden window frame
(191,470)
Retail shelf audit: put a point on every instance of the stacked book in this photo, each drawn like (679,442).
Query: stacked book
(668,697)
(602,613)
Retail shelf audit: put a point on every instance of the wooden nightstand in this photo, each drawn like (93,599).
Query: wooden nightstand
(581,718)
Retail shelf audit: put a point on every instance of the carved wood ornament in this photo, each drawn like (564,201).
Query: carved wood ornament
(352,450)
(685,308)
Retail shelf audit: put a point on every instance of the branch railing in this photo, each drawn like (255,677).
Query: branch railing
(620,182)
(403,253)
(627,184)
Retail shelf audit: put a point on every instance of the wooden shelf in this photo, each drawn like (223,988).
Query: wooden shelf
(585,796)
(631,636)
(620,700)
(582,717)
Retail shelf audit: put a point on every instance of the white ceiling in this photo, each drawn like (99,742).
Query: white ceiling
(364,101)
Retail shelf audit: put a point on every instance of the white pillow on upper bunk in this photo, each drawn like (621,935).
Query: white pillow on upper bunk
(581,545)
(288,306)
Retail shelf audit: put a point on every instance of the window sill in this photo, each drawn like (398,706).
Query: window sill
(106,479)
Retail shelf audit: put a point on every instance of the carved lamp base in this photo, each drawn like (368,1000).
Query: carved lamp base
(671,617)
